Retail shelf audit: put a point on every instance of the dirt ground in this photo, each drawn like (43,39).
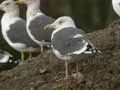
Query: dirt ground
(46,72)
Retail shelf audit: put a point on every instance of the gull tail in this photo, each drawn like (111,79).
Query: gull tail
(91,49)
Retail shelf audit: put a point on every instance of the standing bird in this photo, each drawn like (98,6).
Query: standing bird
(116,6)
(14,29)
(36,20)
(68,42)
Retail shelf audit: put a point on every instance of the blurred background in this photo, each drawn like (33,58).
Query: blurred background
(90,15)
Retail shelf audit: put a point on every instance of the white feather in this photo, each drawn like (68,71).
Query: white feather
(6,21)
(78,35)
(4,59)
(116,6)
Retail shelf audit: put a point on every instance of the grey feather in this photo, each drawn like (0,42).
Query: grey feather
(37,25)
(65,43)
(18,34)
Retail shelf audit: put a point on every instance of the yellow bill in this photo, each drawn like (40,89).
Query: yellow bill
(19,1)
(50,27)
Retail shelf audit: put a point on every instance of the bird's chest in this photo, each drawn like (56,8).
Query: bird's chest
(6,22)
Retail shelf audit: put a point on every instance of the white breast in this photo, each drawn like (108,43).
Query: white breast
(6,21)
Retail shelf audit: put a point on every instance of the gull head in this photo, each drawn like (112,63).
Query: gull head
(61,22)
(8,6)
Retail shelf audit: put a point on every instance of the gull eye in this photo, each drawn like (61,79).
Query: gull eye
(61,21)
(119,4)
(7,4)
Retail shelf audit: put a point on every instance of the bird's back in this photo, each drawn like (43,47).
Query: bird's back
(18,33)
(36,28)
(68,40)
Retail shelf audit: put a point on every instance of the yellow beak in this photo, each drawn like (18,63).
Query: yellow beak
(49,27)
(19,1)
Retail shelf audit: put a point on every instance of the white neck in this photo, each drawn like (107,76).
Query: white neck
(67,26)
(32,10)
(8,18)
(116,6)
(12,14)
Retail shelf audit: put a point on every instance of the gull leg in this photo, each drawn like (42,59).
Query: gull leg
(77,70)
(22,56)
(66,67)
(49,52)
(30,55)
(78,75)
(43,43)
(41,46)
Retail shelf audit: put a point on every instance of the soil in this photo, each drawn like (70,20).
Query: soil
(45,72)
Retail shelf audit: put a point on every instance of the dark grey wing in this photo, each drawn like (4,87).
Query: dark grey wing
(18,34)
(65,42)
(37,25)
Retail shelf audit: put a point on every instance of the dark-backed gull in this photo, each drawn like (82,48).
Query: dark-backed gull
(68,42)
(14,29)
(36,20)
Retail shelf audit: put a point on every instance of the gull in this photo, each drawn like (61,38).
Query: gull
(36,20)
(68,42)
(14,29)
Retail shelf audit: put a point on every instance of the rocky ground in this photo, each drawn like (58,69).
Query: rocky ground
(45,72)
